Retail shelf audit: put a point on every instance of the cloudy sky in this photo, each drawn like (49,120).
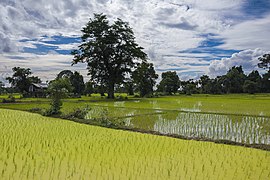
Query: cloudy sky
(192,37)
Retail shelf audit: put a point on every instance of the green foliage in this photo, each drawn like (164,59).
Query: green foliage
(170,82)
(109,51)
(58,89)
(2,89)
(78,113)
(189,87)
(234,80)
(250,87)
(266,82)
(21,79)
(89,88)
(77,83)
(145,78)
(129,86)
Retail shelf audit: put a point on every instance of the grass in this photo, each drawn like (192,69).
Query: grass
(33,146)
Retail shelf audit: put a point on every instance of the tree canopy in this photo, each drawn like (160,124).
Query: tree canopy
(170,82)
(21,79)
(144,78)
(109,50)
(58,89)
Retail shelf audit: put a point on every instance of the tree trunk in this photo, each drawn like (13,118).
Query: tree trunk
(111,90)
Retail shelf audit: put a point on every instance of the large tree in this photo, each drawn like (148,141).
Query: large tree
(266,82)
(170,82)
(109,50)
(76,80)
(145,78)
(234,80)
(21,79)
(206,84)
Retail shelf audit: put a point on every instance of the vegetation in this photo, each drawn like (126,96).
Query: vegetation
(21,79)
(38,146)
(58,89)
(236,118)
(110,51)
(170,83)
(145,78)
(235,81)
(2,89)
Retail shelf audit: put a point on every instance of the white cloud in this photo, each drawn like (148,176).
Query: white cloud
(162,27)
(249,34)
(45,66)
(248,59)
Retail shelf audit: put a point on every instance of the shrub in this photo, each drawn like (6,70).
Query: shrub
(78,113)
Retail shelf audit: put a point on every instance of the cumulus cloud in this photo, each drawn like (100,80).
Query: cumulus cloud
(248,59)
(7,46)
(164,28)
(252,33)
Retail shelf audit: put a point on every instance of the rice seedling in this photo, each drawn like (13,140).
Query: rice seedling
(242,129)
(37,147)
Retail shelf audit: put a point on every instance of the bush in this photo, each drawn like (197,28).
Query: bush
(78,113)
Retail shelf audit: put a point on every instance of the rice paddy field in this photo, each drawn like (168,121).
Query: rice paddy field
(37,147)
(238,118)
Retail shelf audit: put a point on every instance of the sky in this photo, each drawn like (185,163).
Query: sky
(191,37)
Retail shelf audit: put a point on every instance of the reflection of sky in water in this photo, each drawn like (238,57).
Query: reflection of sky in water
(155,104)
(248,130)
(244,129)
(195,108)
(119,104)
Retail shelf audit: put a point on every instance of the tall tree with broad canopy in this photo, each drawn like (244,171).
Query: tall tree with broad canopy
(170,82)
(109,50)
(76,80)
(145,78)
(21,79)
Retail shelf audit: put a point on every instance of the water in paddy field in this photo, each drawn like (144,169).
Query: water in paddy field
(243,129)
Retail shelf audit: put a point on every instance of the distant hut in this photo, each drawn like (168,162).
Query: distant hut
(38,90)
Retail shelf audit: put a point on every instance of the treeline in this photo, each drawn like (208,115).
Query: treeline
(234,81)
(143,81)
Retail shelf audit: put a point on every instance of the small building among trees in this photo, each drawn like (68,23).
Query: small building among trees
(38,90)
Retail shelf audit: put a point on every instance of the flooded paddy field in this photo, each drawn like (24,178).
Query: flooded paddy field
(236,118)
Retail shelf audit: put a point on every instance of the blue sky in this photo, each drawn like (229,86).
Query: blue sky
(188,36)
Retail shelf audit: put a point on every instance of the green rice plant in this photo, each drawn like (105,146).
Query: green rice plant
(37,147)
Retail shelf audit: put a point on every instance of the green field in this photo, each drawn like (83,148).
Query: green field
(239,118)
(34,147)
